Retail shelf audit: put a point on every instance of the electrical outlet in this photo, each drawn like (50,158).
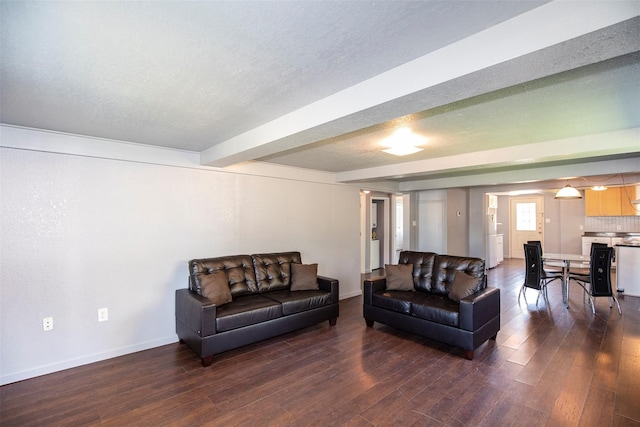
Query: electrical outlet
(103,314)
(47,324)
(618,227)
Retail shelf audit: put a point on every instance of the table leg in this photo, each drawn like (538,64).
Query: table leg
(565,283)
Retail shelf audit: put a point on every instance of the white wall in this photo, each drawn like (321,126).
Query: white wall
(457,225)
(80,233)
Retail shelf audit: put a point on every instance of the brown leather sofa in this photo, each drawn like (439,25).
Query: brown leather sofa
(428,309)
(263,304)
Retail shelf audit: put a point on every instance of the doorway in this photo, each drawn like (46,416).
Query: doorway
(380,232)
(526,222)
(383,229)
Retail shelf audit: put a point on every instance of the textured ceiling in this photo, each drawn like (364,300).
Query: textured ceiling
(317,84)
(597,98)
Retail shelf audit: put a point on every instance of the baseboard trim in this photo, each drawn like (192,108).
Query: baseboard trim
(85,360)
(351,294)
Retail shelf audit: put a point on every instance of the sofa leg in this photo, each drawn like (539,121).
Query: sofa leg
(468,354)
(495,337)
(207,360)
(369,323)
(332,322)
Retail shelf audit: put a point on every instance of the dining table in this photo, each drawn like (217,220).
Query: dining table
(565,260)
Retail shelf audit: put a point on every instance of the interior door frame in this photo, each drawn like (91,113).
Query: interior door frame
(387,243)
(387,248)
(539,199)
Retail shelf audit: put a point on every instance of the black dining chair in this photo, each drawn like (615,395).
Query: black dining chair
(534,276)
(598,282)
(584,272)
(550,271)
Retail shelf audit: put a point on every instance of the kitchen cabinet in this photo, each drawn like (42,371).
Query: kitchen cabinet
(627,195)
(588,240)
(602,203)
(492,202)
(614,201)
(495,250)
(500,247)
(609,241)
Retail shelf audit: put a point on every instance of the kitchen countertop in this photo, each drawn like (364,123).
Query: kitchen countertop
(610,234)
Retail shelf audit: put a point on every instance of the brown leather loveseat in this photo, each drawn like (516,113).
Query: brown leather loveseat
(441,297)
(258,297)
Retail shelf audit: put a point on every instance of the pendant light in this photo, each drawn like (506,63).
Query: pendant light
(568,192)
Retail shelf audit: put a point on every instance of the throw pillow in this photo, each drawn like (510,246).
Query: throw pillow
(215,287)
(399,277)
(463,285)
(304,277)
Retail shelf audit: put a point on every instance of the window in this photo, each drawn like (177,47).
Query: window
(526,217)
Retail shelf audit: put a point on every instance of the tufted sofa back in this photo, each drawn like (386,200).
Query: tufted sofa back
(246,274)
(446,266)
(422,267)
(435,273)
(239,270)
(273,271)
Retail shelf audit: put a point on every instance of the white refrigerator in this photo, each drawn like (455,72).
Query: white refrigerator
(628,268)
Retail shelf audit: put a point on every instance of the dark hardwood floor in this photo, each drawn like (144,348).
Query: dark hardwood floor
(549,367)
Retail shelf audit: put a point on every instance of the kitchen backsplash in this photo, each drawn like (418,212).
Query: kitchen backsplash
(611,223)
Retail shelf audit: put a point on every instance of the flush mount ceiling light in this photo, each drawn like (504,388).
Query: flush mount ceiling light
(568,192)
(598,188)
(402,142)
(402,150)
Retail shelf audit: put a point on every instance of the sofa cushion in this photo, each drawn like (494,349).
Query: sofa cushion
(463,285)
(245,311)
(273,271)
(422,267)
(446,267)
(238,268)
(215,287)
(304,277)
(297,301)
(436,308)
(399,277)
(392,300)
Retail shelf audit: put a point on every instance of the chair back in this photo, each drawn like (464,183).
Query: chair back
(536,242)
(600,271)
(598,245)
(533,266)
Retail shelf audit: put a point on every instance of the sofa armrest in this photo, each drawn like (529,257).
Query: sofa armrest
(196,312)
(371,285)
(330,285)
(477,309)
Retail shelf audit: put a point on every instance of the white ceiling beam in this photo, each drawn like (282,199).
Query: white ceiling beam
(625,141)
(509,179)
(538,29)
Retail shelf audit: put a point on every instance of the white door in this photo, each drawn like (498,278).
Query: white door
(432,223)
(526,219)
